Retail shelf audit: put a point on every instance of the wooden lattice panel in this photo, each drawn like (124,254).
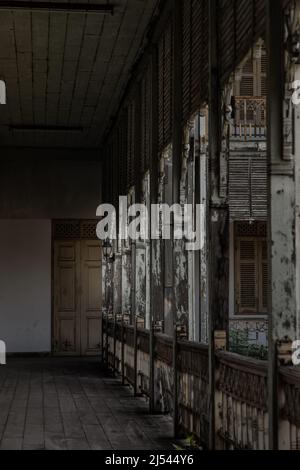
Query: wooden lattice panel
(246,229)
(88,230)
(74,230)
(66,230)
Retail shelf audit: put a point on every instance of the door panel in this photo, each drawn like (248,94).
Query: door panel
(77,297)
(91,298)
(66,298)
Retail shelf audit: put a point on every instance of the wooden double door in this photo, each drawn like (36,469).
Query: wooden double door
(77,297)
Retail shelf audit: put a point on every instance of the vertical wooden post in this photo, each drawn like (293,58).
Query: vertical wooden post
(218,223)
(106,342)
(151,378)
(153,199)
(115,342)
(177,133)
(135,355)
(177,142)
(102,338)
(297,192)
(175,385)
(281,188)
(122,352)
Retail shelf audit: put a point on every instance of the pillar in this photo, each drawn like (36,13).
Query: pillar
(281,189)
(218,217)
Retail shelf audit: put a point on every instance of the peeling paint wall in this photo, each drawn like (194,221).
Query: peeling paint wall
(25,294)
(117,290)
(283,258)
(157,281)
(297,208)
(181,257)
(126,282)
(140,283)
(108,281)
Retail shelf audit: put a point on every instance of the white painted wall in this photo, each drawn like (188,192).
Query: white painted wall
(25,285)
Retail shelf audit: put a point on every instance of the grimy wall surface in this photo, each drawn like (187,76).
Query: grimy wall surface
(25,285)
(36,187)
(45,184)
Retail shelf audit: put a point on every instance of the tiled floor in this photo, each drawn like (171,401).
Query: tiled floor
(70,404)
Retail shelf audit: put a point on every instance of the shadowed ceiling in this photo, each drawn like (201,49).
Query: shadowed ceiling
(66,71)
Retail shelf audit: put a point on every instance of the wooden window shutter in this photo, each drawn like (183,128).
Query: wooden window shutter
(248,197)
(131,145)
(263,72)
(124,150)
(146,117)
(241,23)
(186,58)
(246,293)
(194,55)
(251,269)
(165,94)
(247,82)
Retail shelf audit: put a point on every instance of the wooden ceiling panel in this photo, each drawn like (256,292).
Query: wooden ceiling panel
(67,69)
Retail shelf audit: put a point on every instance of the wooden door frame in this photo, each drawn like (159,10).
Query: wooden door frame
(57,236)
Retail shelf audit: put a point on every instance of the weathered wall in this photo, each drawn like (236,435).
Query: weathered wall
(34,186)
(25,285)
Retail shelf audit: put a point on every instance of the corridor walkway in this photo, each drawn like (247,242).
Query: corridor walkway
(71,404)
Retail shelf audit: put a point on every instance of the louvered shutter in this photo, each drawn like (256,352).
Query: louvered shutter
(251,268)
(146,120)
(109,172)
(165,94)
(247,301)
(131,145)
(124,136)
(186,58)
(195,55)
(247,81)
(263,72)
(120,159)
(248,197)
(241,23)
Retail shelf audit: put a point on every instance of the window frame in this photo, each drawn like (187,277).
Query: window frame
(260,261)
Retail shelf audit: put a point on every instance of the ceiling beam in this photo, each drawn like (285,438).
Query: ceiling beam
(63,7)
(37,128)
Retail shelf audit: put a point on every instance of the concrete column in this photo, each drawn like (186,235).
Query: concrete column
(295,77)
(282,282)
(179,257)
(218,217)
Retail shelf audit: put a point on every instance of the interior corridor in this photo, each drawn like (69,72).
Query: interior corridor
(70,404)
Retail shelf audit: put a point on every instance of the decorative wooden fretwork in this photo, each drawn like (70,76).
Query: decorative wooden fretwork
(74,230)
(246,229)
(245,380)
(88,230)
(290,385)
(193,360)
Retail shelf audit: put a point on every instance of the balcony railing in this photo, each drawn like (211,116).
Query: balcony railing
(249,121)
(181,387)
